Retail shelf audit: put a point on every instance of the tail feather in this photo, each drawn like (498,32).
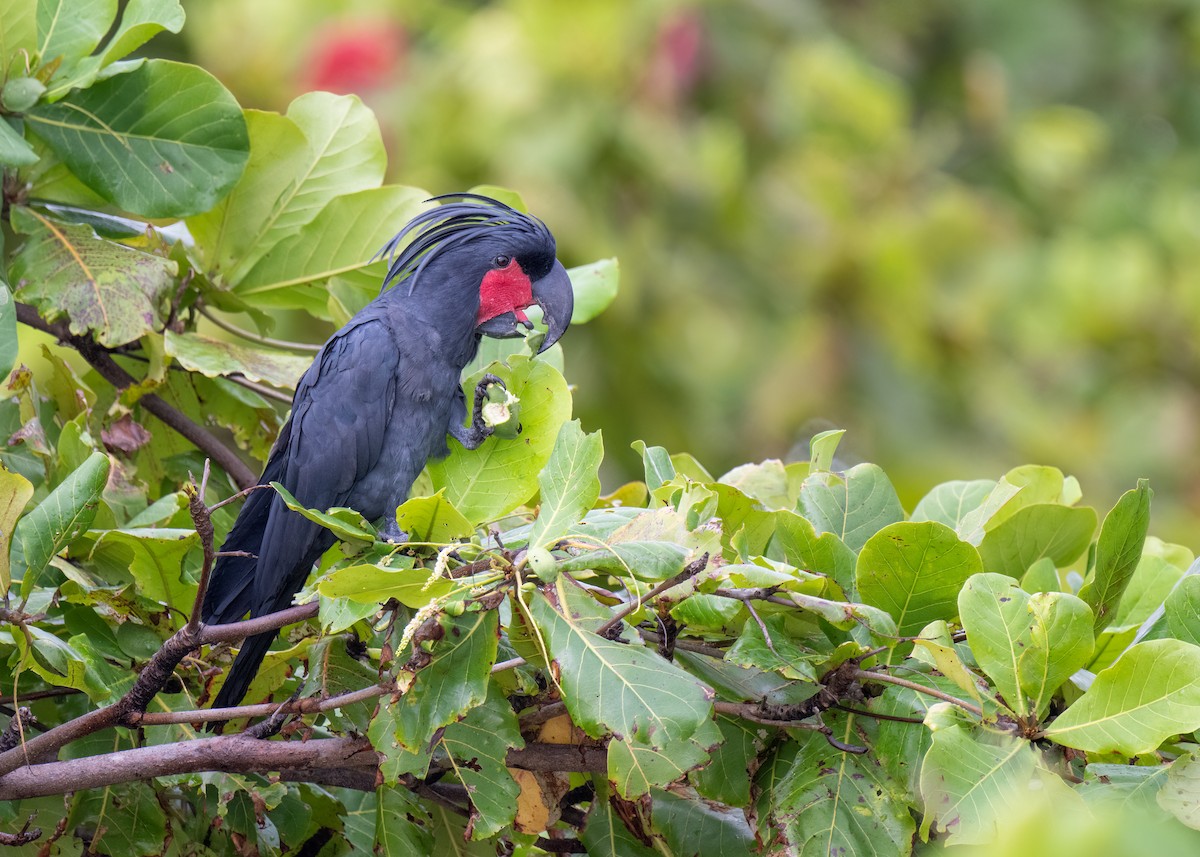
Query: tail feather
(245,667)
(228,597)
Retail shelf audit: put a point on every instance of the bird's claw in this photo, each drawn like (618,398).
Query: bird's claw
(478,426)
(390,532)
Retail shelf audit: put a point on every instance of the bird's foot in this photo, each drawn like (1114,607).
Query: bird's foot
(479,431)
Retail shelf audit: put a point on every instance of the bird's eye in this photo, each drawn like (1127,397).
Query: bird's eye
(501,261)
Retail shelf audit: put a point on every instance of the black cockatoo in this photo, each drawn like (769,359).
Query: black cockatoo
(381,397)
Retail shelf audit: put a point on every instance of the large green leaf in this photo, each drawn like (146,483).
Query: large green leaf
(1060,533)
(8,330)
(113,291)
(700,828)
(653,709)
(1150,694)
(950,502)
(343,237)
(1180,794)
(154,556)
(853,506)
(401,825)
(972,777)
(344,523)
(914,571)
(432,519)
(15,491)
(19,33)
(69,30)
(453,682)
(326,146)
(816,801)
(726,778)
(595,287)
(605,834)
(164,140)
(477,746)
(58,520)
(1122,537)
(489,482)
(1183,609)
(372,584)
(569,484)
(15,151)
(796,542)
(1027,644)
(215,357)
(128,819)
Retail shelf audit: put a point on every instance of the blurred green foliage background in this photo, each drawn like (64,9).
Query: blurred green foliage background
(966,232)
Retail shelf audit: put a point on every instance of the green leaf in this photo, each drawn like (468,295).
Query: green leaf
(141,21)
(327,146)
(1183,610)
(1027,644)
(19,33)
(453,682)
(1180,794)
(853,506)
(950,502)
(570,484)
(154,556)
(478,746)
(654,561)
(652,708)
(822,448)
(605,834)
(215,358)
(15,151)
(595,287)
(1151,693)
(432,519)
(59,519)
(691,826)
(346,524)
(69,30)
(343,237)
(487,483)
(15,491)
(914,571)
(973,778)
(776,650)
(164,140)
(815,801)
(1061,533)
(766,482)
(20,93)
(128,820)
(102,287)
(401,825)
(797,543)
(373,584)
(726,778)
(657,463)
(1118,551)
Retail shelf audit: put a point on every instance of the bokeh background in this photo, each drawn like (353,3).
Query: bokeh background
(965,232)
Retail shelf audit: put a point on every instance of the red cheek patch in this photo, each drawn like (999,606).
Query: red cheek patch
(505,290)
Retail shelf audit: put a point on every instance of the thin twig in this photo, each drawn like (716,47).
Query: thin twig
(753,712)
(689,571)
(262,389)
(204,528)
(101,360)
(871,675)
(308,705)
(258,338)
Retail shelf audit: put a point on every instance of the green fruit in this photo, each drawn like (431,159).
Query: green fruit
(542,563)
(21,93)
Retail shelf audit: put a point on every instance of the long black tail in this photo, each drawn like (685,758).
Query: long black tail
(245,667)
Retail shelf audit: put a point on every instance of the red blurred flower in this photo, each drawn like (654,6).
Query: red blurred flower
(354,56)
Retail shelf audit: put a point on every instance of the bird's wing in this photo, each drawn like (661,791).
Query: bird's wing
(339,418)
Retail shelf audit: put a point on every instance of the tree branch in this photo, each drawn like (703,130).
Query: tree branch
(689,571)
(101,360)
(314,760)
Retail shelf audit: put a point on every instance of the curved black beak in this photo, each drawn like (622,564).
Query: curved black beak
(554,295)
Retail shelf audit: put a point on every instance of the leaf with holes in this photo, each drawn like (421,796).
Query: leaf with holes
(655,711)
(104,288)
(853,506)
(214,358)
(817,801)
(477,747)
